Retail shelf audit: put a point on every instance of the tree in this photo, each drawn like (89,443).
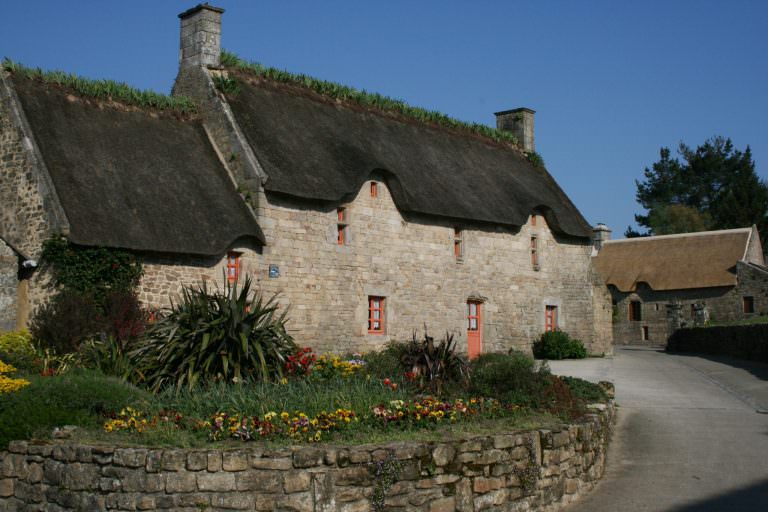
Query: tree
(712,187)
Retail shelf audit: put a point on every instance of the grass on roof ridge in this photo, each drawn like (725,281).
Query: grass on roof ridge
(364,98)
(104,89)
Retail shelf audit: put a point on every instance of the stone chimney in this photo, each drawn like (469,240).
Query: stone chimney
(519,122)
(200,36)
(601,233)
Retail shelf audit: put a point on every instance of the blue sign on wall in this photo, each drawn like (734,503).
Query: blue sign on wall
(274,271)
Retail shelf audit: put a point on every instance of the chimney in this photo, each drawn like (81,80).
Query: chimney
(519,122)
(601,233)
(200,36)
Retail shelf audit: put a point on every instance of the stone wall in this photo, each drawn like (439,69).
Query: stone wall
(9,268)
(723,304)
(535,470)
(410,262)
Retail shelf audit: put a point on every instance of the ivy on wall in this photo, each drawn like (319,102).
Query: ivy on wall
(90,270)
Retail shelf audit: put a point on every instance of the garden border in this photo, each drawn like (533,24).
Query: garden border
(531,470)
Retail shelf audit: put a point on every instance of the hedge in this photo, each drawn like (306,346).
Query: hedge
(742,341)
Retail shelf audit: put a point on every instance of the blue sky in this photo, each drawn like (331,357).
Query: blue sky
(611,81)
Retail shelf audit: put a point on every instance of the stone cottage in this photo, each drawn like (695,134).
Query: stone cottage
(661,283)
(368,223)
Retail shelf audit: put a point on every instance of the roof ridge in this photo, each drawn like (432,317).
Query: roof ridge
(679,235)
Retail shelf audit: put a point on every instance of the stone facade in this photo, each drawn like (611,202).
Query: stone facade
(9,264)
(536,470)
(664,311)
(411,263)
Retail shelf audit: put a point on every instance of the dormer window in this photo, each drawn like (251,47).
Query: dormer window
(233,266)
(374,189)
(341,226)
(458,244)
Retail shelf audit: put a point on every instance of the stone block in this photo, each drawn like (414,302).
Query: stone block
(154,461)
(296,481)
(234,501)
(173,460)
(353,475)
(308,457)
(197,461)
(6,487)
(482,485)
(234,461)
(181,481)
(447,504)
(214,461)
(297,502)
(443,454)
(259,480)
(282,464)
(216,482)
(130,457)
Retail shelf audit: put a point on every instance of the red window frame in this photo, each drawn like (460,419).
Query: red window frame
(550,318)
(374,189)
(341,226)
(376,310)
(473,320)
(233,266)
(458,243)
(535,252)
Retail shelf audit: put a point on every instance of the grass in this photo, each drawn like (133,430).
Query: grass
(104,89)
(363,98)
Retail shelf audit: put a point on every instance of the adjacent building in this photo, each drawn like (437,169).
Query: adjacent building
(661,283)
(370,224)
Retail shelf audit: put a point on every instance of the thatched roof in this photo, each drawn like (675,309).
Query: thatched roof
(132,178)
(675,262)
(318,148)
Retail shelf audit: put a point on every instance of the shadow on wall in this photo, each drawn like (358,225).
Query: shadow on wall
(754,497)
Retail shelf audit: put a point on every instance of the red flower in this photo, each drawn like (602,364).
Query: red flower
(387,382)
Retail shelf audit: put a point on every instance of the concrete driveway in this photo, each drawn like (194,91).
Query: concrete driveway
(692,433)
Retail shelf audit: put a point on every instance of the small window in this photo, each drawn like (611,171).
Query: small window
(693,311)
(533,220)
(376,315)
(374,189)
(535,252)
(645,333)
(550,318)
(656,306)
(233,266)
(473,316)
(458,244)
(749,304)
(341,226)
(635,311)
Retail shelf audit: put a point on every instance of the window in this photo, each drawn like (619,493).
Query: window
(748,304)
(535,252)
(693,311)
(233,266)
(550,318)
(458,244)
(374,189)
(635,311)
(645,333)
(341,226)
(533,220)
(376,315)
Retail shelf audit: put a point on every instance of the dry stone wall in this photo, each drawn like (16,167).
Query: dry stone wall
(535,470)
(9,264)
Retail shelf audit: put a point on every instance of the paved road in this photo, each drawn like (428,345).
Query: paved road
(692,433)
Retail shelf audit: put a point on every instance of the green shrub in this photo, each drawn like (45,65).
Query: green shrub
(79,398)
(386,363)
(17,350)
(511,378)
(558,345)
(585,390)
(743,341)
(233,335)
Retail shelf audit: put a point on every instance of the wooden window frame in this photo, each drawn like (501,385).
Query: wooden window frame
(374,190)
(233,266)
(550,318)
(341,225)
(372,309)
(748,304)
(635,315)
(458,244)
(535,253)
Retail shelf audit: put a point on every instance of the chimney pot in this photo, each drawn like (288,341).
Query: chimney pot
(600,234)
(519,122)
(200,36)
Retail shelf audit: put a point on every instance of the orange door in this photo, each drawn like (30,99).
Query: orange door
(474,329)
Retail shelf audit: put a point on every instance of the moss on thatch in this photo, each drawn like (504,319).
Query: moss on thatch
(104,89)
(363,98)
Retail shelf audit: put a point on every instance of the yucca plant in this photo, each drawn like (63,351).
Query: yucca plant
(434,364)
(214,335)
